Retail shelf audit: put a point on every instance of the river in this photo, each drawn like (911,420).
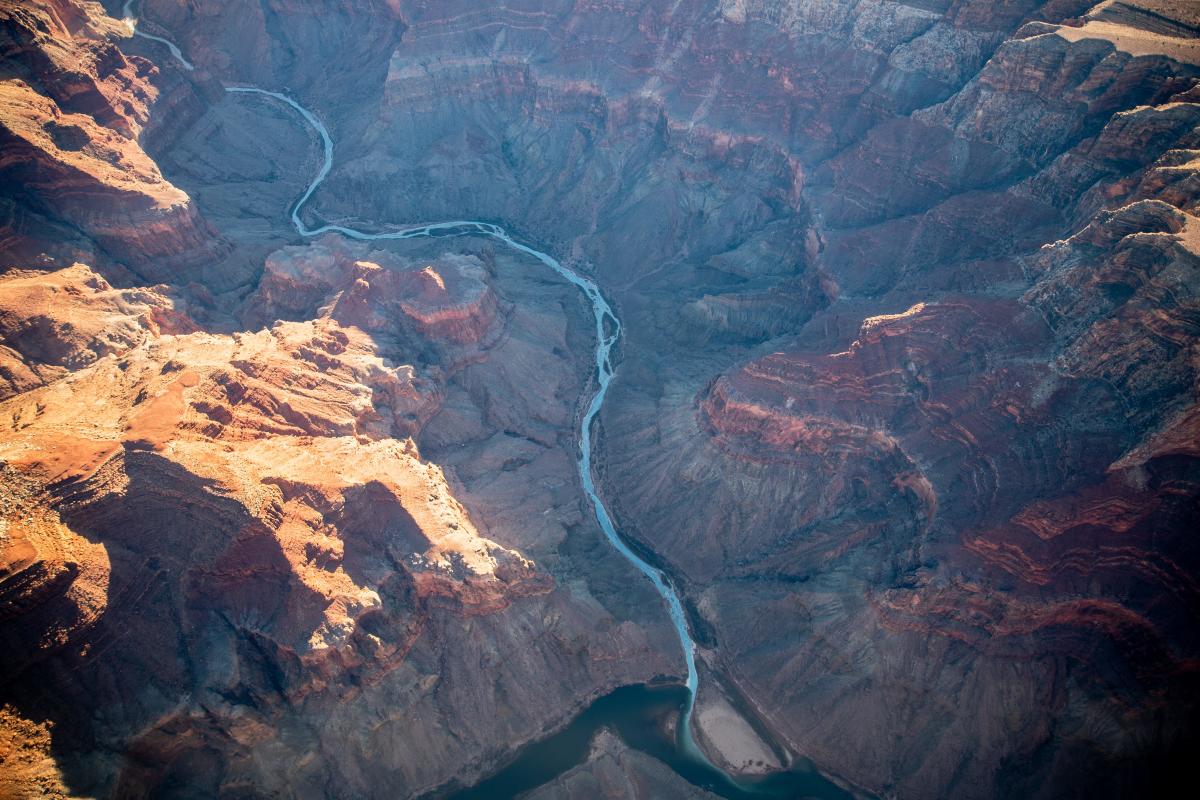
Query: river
(132,21)
(606,337)
(627,710)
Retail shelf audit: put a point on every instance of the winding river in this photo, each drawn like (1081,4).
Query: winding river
(606,337)
(132,21)
(626,710)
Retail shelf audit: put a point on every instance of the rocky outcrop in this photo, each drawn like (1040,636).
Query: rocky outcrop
(70,51)
(74,107)
(52,323)
(615,772)
(260,499)
(1120,296)
(445,300)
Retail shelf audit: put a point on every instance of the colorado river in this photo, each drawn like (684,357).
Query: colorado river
(131,21)
(626,709)
(606,337)
(631,709)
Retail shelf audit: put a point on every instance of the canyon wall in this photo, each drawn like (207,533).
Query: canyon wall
(907,399)
(295,530)
(74,109)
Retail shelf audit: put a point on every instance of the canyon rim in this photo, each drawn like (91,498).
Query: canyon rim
(599,398)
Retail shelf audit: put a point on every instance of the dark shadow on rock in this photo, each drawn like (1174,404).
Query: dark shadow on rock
(192,574)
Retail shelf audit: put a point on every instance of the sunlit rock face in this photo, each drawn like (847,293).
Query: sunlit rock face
(906,400)
(259,499)
(446,300)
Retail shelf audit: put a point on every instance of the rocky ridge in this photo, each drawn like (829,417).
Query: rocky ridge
(74,110)
(246,479)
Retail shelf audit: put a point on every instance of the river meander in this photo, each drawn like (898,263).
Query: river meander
(633,712)
(608,329)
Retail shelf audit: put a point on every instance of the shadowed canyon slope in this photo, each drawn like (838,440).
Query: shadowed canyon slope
(906,402)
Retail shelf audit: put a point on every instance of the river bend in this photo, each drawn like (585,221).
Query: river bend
(689,762)
(605,340)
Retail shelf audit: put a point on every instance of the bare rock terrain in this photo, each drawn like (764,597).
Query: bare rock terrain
(906,401)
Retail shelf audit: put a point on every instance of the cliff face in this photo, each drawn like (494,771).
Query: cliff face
(74,108)
(444,300)
(907,399)
(259,500)
(963,525)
